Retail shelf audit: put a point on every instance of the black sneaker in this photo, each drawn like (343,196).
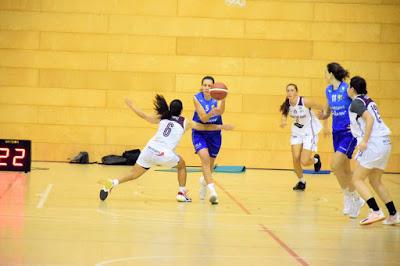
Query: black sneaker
(103,194)
(300,186)
(106,189)
(317,165)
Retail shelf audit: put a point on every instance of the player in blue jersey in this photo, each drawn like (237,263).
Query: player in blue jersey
(207,143)
(344,143)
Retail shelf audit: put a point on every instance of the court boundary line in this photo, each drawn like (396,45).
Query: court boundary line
(264,228)
(43,196)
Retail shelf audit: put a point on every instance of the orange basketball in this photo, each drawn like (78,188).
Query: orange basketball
(218,91)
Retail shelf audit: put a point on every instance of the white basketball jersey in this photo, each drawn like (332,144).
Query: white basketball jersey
(304,120)
(357,124)
(169,133)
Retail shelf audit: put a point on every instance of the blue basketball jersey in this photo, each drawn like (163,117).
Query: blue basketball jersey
(207,105)
(339,103)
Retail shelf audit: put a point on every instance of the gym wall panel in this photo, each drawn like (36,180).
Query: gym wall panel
(18,113)
(52,96)
(19,39)
(107,80)
(176,26)
(107,43)
(134,7)
(48,59)
(19,76)
(42,21)
(66,67)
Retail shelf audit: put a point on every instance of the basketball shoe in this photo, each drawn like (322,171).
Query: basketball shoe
(300,186)
(356,206)
(183,197)
(214,199)
(392,219)
(373,216)
(106,189)
(318,164)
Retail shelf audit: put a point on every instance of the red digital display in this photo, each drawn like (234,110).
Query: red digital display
(15,155)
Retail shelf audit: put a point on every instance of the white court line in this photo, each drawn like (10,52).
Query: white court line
(44,196)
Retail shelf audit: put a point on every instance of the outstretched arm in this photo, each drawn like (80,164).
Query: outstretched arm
(311,104)
(148,117)
(197,126)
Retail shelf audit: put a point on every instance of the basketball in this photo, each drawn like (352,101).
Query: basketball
(218,91)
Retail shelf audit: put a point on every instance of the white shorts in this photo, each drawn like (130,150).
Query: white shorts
(309,141)
(150,157)
(377,153)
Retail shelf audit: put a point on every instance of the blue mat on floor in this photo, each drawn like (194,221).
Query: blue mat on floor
(321,172)
(217,169)
(230,169)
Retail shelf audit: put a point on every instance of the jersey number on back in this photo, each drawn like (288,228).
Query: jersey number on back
(168,129)
(376,113)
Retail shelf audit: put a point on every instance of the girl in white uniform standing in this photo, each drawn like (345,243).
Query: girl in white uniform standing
(304,132)
(160,150)
(374,148)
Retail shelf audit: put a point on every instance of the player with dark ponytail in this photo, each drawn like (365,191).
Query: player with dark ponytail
(304,132)
(160,150)
(338,103)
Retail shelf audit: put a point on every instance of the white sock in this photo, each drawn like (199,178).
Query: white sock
(203,181)
(353,194)
(115,182)
(211,188)
(182,189)
(302,180)
(315,160)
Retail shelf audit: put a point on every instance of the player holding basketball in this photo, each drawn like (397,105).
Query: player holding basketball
(374,148)
(207,143)
(160,149)
(304,132)
(343,141)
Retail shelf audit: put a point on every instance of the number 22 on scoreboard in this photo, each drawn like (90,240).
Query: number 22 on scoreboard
(19,155)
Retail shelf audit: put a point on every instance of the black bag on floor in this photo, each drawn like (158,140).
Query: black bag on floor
(82,158)
(131,156)
(114,160)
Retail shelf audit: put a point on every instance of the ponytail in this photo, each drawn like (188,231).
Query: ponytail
(165,112)
(161,107)
(285,107)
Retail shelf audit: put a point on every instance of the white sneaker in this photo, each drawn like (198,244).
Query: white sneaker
(373,216)
(214,199)
(203,188)
(358,202)
(183,197)
(392,219)
(347,202)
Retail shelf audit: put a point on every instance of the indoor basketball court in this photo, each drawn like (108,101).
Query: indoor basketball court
(72,72)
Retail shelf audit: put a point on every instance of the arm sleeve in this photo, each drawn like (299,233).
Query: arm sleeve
(358,107)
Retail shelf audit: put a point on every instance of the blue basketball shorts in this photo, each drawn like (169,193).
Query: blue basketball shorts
(210,140)
(344,142)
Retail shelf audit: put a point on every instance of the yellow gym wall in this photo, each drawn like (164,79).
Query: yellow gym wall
(66,66)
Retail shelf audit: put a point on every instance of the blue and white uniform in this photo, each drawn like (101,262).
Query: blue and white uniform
(210,140)
(379,146)
(339,102)
(305,126)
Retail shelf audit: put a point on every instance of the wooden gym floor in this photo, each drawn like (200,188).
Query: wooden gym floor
(52,216)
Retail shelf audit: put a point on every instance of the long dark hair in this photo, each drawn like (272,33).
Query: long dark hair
(165,111)
(359,84)
(338,71)
(284,109)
